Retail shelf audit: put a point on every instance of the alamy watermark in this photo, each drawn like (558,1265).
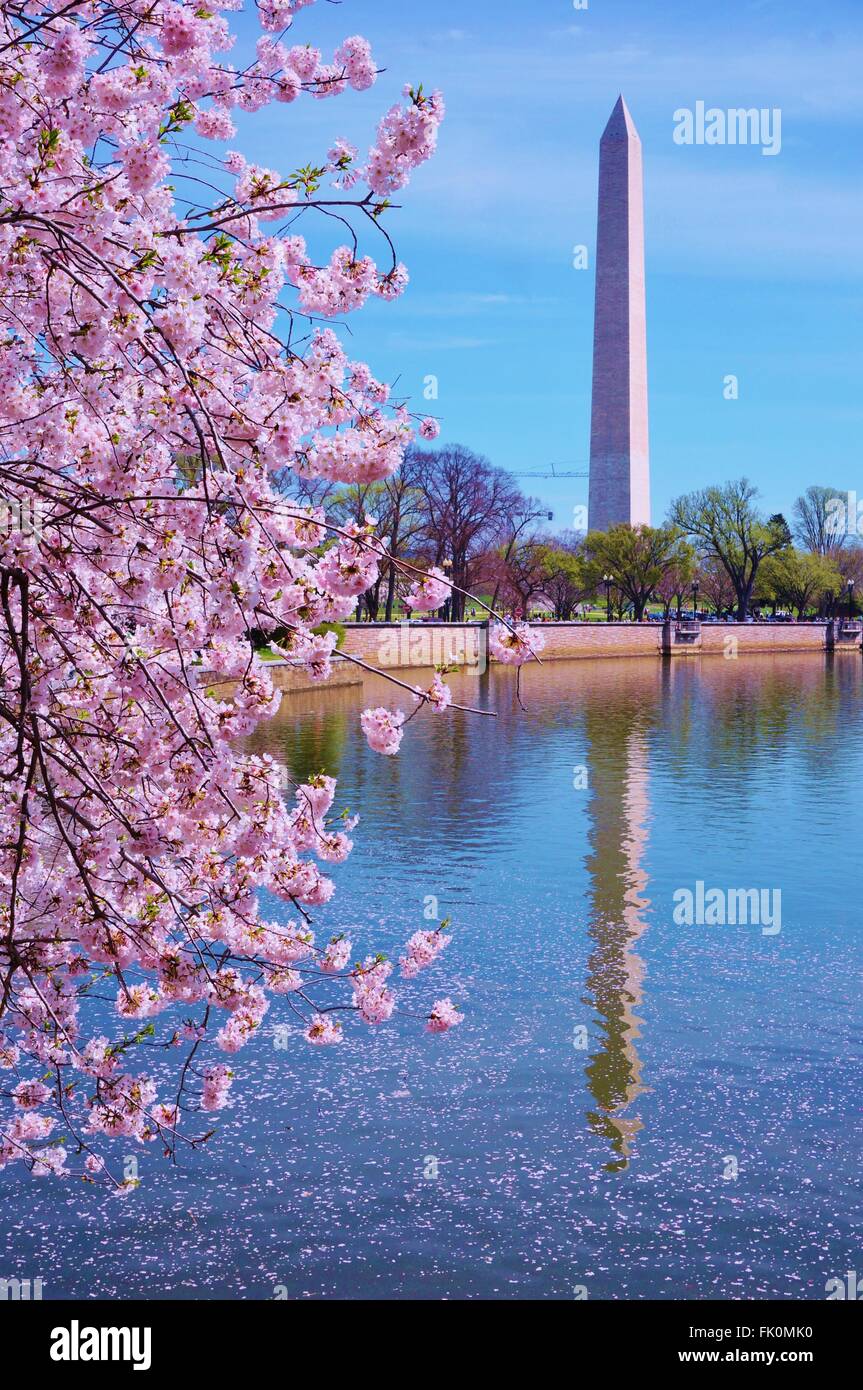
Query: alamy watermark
(736,126)
(850,1288)
(844,515)
(729,907)
(77,1343)
(21,515)
(20,1290)
(425,644)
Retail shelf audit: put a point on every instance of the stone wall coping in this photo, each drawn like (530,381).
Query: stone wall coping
(570,622)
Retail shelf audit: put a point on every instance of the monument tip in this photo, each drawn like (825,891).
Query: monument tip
(620,126)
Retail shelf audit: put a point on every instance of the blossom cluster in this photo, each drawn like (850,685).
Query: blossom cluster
(515,646)
(423,949)
(429,592)
(383,729)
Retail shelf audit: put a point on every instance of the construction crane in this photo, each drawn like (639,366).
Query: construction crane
(566,473)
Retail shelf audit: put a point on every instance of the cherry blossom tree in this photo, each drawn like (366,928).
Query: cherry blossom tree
(163,362)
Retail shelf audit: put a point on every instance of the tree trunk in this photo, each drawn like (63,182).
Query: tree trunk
(372,599)
(456,608)
(743,599)
(391,592)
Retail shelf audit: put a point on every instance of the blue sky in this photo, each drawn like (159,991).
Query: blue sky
(753,262)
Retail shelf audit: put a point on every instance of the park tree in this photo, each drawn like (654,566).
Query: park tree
(397,506)
(714,583)
(153,313)
(524,568)
(676,578)
(402,521)
(725,523)
(849,563)
(517,525)
(819,523)
(467,502)
(636,557)
(564,578)
(799,579)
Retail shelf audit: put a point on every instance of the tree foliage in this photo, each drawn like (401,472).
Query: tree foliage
(635,556)
(726,524)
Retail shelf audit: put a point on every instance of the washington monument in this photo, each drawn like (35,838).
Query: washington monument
(619,449)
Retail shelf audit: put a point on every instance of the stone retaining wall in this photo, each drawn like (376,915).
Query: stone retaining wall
(569,641)
(393,645)
(389,646)
(763,637)
(290,679)
(402,646)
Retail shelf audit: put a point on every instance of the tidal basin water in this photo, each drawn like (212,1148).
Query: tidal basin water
(633,1107)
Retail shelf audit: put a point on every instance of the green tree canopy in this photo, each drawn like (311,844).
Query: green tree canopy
(565,581)
(635,556)
(726,523)
(799,578)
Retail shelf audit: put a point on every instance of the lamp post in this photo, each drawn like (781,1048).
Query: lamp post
(448,601)
(850,587)
(608,580)
(695,599)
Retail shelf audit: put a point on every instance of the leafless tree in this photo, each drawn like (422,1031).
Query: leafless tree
(814,520)
(525,572)
(467,503)
(404,521)
(519,527)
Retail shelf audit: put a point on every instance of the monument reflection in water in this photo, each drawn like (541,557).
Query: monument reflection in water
(619,813)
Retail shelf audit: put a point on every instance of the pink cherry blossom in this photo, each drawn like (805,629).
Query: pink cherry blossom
(217,1084)
(422,950)
(324,1030)
(336,956)
(514,647)
(180,29)
(374,1000)
(144,165)
(444,1015)
(406,137)
(438,695)
(383,729)
(30,1094)
(429,592)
